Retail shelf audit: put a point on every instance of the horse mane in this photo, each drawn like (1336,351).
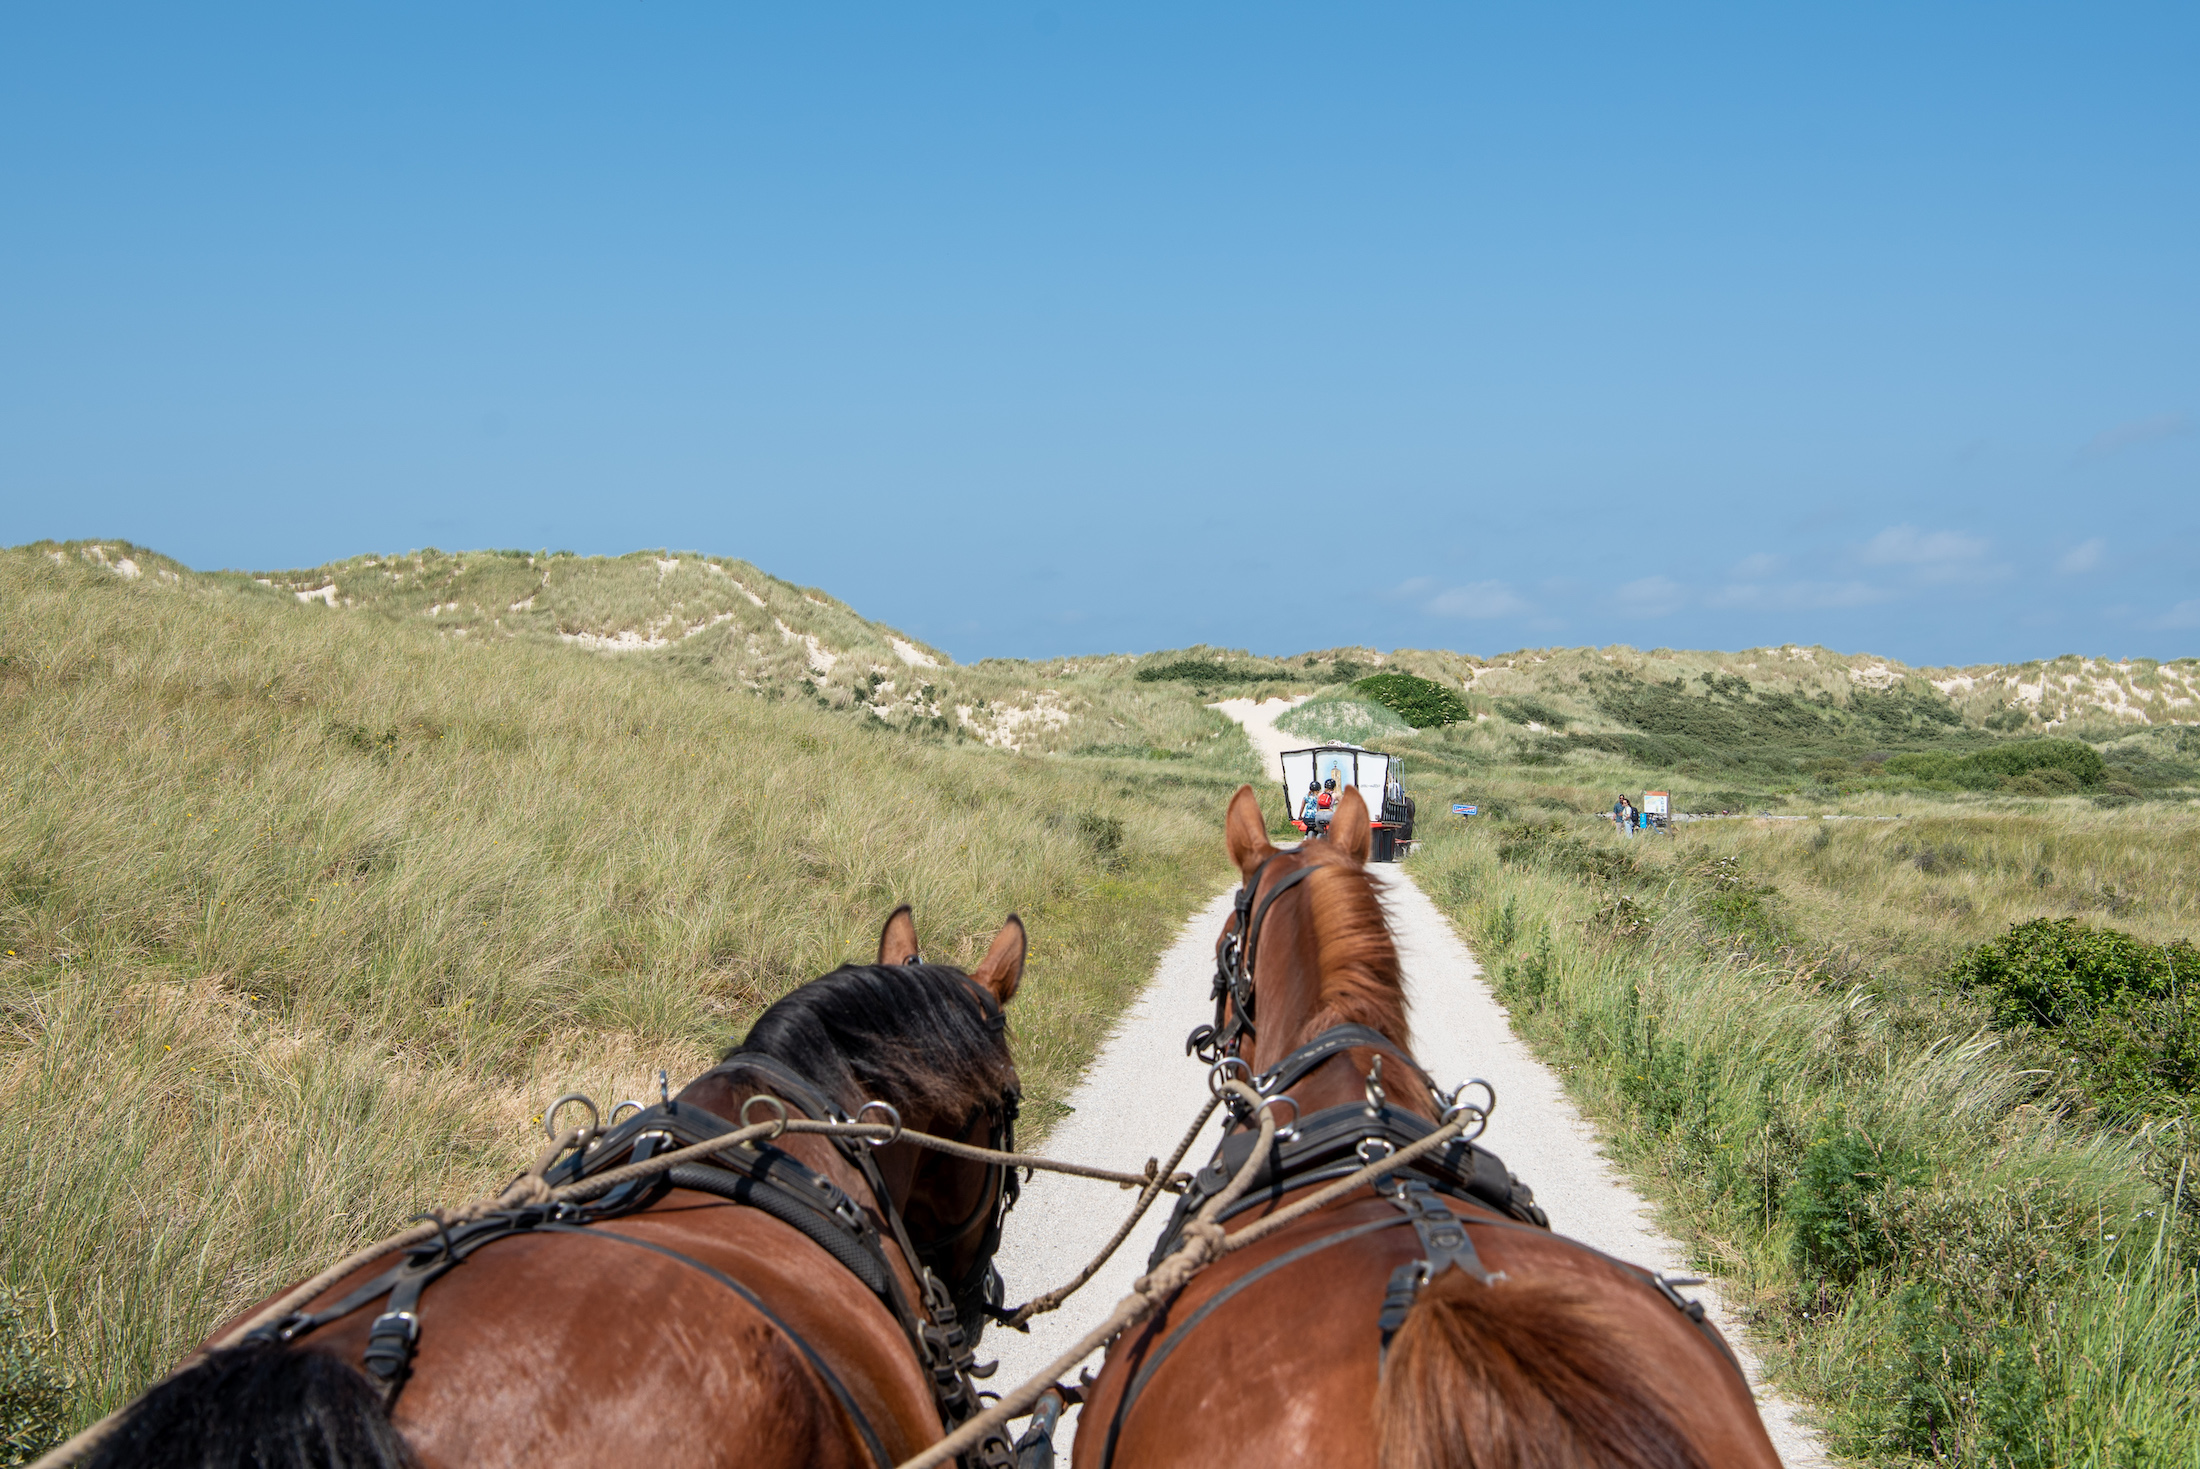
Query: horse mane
(1361,981)
(915,1035)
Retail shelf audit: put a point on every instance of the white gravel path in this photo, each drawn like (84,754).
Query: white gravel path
(1142,1092)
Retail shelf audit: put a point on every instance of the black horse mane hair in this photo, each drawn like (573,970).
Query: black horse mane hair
(910,1034)
(266,1406)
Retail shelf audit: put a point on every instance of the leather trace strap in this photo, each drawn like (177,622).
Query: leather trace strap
(1233,986)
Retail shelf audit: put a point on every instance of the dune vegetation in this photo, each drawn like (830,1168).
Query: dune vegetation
(304,916)
(1920,1088)
(316,885)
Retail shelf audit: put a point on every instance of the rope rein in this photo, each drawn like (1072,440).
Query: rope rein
(1204,1243)
(530,1189)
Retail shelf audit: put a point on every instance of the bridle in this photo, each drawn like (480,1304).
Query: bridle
(1233,988)
(977,1293)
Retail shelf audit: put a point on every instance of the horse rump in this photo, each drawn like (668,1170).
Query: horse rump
(1523,1374)
(257,1407)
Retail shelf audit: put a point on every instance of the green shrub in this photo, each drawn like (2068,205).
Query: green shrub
(2050,762)
(1188,670)
(1830,1205)
(33,1396)
(1521,709)
(1420,702)
(2055,970)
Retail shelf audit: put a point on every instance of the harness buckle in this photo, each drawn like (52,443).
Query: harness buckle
(406,1321)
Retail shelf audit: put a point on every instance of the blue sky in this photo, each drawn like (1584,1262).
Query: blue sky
(1040,328)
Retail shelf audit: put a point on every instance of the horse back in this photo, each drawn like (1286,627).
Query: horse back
(1275,1356)
(572,1349)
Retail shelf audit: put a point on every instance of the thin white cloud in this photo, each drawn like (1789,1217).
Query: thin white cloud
(1906,545)
(1931,558)
(2081,558)
(1758,566)
(2139,431)
(1652,596)
(1477,599)
(1799,596)
(2184,614)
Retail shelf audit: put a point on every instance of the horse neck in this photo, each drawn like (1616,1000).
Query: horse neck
(1308,979)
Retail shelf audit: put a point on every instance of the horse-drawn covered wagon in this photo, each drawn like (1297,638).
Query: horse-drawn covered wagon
(1329,770)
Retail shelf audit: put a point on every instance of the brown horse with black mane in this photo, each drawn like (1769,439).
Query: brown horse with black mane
(1429,1320)
(792,1303)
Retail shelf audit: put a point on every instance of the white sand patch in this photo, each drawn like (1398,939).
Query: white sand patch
(821,658)
(744,591)
(912,655)
(526,606)
(1259,720)
(1961,683)
(814,601)
(326,596)
(1008,728)
(57,558)
(628,641)
(1874,676)
(127,569)
(666,568)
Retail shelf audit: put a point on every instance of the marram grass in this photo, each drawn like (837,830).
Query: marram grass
(304,916)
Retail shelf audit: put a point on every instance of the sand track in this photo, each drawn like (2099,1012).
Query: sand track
(1142,1091)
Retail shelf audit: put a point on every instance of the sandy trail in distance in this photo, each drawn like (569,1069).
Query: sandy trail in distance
(1143,1090)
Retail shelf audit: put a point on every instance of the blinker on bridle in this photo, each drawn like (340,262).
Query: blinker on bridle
(1233,988)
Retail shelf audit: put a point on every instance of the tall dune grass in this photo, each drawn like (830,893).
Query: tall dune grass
(305,915)
(1947,1254)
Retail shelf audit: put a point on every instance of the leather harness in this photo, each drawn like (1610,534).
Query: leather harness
(757,1177)
(1338,1141)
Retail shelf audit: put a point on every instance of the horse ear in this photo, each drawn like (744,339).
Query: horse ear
(897,941)
(1002,968)
(1348,833)
(1246,832)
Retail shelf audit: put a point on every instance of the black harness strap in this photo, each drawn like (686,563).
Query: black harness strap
(831,1379)
(1445,1243)
(1233,987)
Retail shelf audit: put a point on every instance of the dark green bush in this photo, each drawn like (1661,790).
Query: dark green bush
(1188,670)
(1523,710)
(1420,702)
(1985,770)
(2052,971)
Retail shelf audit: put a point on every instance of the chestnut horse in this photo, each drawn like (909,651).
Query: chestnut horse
(715,1317)
(1378,1330)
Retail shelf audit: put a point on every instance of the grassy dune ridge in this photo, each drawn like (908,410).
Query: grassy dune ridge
(1953,1254)
(306,915)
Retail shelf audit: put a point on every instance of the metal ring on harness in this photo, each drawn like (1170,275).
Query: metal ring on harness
(1371,1148)
(1453,1108)
(550,1114)
(618,1111)
(775,1104)
(894,1116)
(1218,1074)
(1283,1134)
